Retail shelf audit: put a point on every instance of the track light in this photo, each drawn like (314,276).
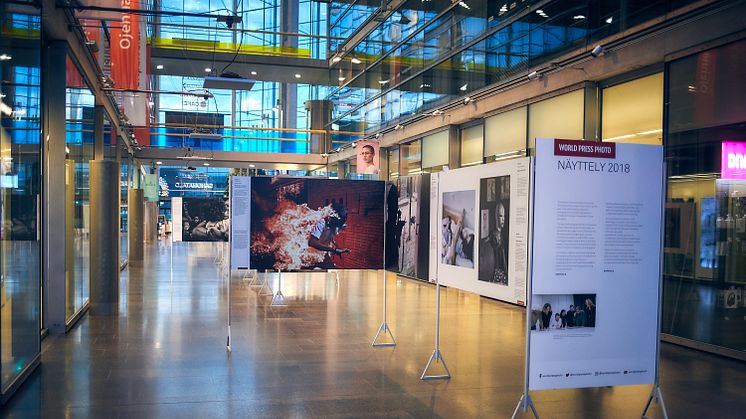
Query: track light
(437,112)
(534,75)
(355,60)
(468,100)
(598,51)
(398,127)
(378,135)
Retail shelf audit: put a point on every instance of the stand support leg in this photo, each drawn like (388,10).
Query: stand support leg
(384,328)
(656,396)
(524,404)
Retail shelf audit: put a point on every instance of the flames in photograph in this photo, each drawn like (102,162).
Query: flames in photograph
(286,235)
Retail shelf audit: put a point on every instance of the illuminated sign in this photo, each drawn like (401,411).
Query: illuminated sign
(733,160)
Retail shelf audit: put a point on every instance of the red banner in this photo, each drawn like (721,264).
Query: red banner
(125,48)
(577,148)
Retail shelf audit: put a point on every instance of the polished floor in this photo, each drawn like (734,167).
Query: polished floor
(164,356)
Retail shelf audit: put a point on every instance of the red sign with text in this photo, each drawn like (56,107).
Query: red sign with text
(125,48)
(576,148)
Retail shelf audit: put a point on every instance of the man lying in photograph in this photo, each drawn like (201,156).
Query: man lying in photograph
(210,223)
(458,243)
(322,236)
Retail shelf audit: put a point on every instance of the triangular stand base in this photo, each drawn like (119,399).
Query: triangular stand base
(524,404)
(278,300)
(435,359)
(384,330)
(657,397)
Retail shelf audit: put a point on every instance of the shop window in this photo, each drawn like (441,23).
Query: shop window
(632,112)
(557,117)
(435,151)
(505,134)
(472,142)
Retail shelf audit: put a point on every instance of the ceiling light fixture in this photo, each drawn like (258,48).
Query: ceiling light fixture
(205,164)
(534,75)
(5,57)
(355,60)
(464,5)
(336,59)
(578,17)
(425,86)
(437,112)
(252,166)
(398,127)
(463,88)
(610,19)
(341,78)
(297,76)
(382,81)
(159,67)
(208,70)
(253,73)
(467,100)
(159,162)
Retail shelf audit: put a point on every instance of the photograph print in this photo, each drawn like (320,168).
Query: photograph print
(557,312)
(306,224)
(457,229)
(205,219)
(494,229)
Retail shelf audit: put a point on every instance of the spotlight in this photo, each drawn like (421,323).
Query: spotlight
(324,155)
(336,59)
(534,75)
(378,135)
(437,112)
(355,60)
(354,145)
(598,51)
(297,76)
(467,100)
(399,126)
(253,73)
(252,166)
(159,162)
(208,70)
(159,67)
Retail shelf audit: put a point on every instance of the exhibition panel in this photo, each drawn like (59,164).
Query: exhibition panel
(408,226)
(299,224)
(204,219)
(596,253)
(480,235)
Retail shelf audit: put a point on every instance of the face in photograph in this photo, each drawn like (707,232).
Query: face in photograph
(367,161)
(493,246)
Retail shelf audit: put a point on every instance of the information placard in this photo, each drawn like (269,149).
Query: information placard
(240,195)
(596,264)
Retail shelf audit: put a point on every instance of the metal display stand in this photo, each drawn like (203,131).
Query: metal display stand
(265,289)
(384,327)
(230,266)
(436,356)
(278,300)
(655,394)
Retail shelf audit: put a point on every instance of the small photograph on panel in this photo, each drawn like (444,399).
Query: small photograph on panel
(205,219)
(494,228)
(563,312)
(457,244)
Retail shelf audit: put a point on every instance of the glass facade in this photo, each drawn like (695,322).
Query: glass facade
(705,239)
(429,53)
(20,192)
(79,109)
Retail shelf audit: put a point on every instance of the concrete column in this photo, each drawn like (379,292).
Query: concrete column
(150,222)
(53,206)
(320,114)
(135,210)
(592,114)
(454,147)
(104,271)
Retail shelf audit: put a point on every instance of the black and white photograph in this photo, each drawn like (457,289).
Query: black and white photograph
(457,225)
(557,312)
(494,228)
(205,219)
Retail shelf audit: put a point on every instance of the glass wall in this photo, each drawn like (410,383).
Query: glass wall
(633,111)
(393,163)
(79,109)
(705,236)
(20,191)
(411,158)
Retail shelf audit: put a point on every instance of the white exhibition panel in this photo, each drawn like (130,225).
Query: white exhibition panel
(176,219)
(596,235)
(240,207)
(461,187)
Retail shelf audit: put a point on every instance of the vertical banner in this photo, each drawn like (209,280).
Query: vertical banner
(240,196)
(368,160)
(125,48)
(596,264)
(176,219)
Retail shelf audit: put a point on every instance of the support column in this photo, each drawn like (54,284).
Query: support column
(454,147)
(53,206)
(98,132)
(319,116)
(289,11)
(135,210)
(151,222)
(592,114)
(104,271)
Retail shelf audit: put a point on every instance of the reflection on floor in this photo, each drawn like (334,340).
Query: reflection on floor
(164,356)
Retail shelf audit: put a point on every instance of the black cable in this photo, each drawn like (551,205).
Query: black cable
(240,43)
